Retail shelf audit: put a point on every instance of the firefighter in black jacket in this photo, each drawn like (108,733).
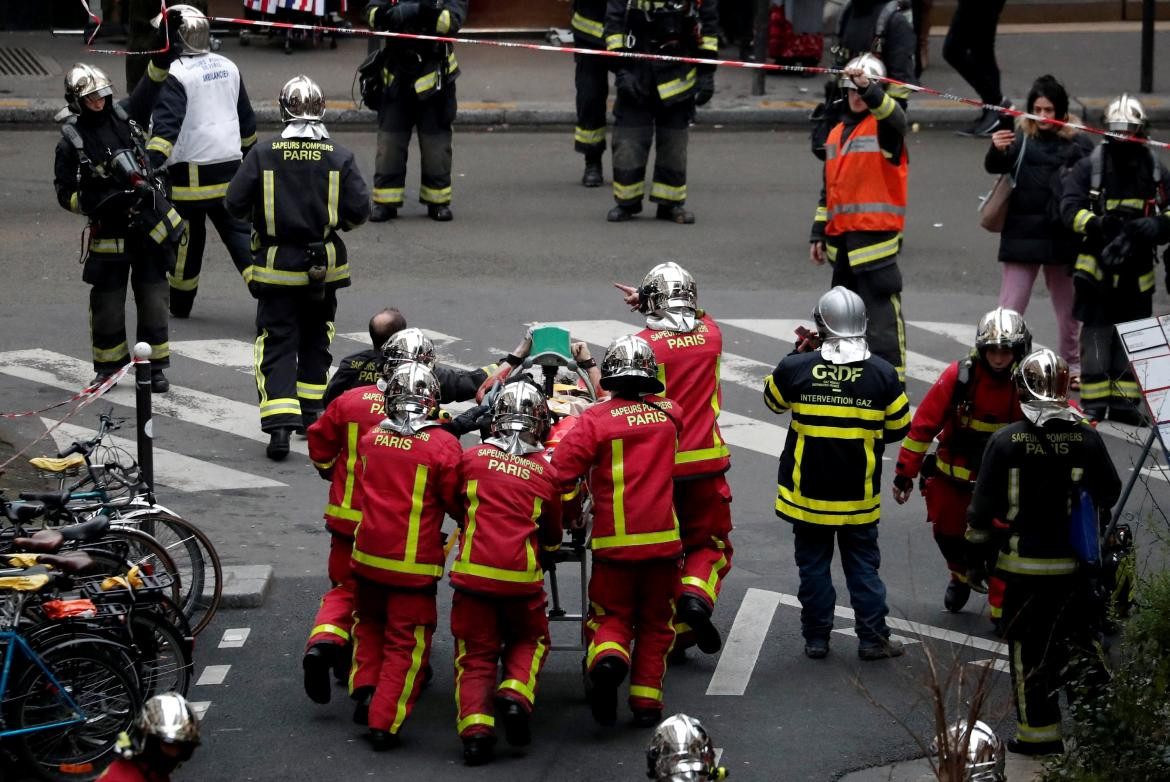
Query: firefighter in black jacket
(656,100)
(299,189)
(419,91)
(1032,476)
(592,82)
(101,171)
(1116,198)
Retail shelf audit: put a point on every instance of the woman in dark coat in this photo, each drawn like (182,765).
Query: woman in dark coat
(1034,237)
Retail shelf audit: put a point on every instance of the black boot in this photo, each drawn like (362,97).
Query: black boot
(181,303)
(514,716)
(440,213)
(308,418)
(647,718)
(380,213)
(278,444)
(382,740)
(620,213)
(361,709)
(158,382)
(606,677)
(957,594)
(341,663)
(317,663)
(695,613)
(593,176)
(675,213)
(479,749)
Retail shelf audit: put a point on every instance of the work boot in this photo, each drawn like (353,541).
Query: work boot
(180,308)
(317,662)
(278,444)
(440,213)
(308,418)
(956,595)
(675,213)
(1035,747)
(647,718)
(99,378)
(383,212)
(514,716)
(479,749)
(621,214)
(361,709)
(1127,415)
(816,648)
(606,677)
(678,655)
(382,740)
(341,663)
(695,612)
(158,382)
(887,647)
(985,124)
(593,177)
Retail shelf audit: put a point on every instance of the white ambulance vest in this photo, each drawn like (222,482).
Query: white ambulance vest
(211,127)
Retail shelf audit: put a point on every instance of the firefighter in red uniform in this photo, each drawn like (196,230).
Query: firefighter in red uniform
(406,483)
(687,345)
(971,400)
(511,502)
(625,447)
(163,736)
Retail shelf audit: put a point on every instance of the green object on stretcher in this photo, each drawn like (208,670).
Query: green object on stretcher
(550,348)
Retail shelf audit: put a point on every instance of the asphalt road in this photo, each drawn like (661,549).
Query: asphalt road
(529,244)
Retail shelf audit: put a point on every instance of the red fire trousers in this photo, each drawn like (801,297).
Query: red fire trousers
(334,622)
(946,509)
(703,506)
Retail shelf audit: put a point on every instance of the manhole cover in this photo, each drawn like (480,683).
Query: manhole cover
(18,61)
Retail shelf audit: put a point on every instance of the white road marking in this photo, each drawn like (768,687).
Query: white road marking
(996,664)
(963,333)
(849,631)
(171,469)
(196,407)
(718,756)
(916,628)
(439,338)
(235,637)
(753,434)
(200,708)
(213,674)
(234,354)
(1155,472)
(743,644)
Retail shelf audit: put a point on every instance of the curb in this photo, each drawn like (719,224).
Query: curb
(1018,768)
(245,586)
(763,113)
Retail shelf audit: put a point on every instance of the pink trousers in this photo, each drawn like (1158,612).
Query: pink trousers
(1016,290)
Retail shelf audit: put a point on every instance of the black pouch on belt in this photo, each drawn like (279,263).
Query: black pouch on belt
(318,260)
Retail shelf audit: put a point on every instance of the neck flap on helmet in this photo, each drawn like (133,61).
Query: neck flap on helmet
(314,130)
(845,350)
(672,319)
(1041,413)
(407,421)
(515,443)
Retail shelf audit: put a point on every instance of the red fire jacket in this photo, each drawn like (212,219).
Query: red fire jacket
(333,443)
(688,365)
(511,504)
(122,770)
(405,485)
(962,420)
(626,450)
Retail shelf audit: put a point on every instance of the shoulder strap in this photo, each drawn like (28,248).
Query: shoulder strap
(962,382)
(74,138)
(1096,175)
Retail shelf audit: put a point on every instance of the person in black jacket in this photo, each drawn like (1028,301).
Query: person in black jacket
(299,189)
(101,170)
(969,48)
(1034,236)
(591,79)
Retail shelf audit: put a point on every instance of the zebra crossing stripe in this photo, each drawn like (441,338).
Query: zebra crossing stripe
(58,370)
(172,469)
(229,353)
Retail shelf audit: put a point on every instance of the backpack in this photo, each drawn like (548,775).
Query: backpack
(368,79)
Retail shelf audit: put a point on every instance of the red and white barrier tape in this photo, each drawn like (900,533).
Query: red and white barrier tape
(97,20)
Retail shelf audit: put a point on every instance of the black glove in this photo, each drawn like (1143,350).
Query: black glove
(395,18)
(903,482)
(628,87)
(706,88)
(1111,226)
(428,14)
(1149,229)
(168,38)
(547,560)
(1115,253)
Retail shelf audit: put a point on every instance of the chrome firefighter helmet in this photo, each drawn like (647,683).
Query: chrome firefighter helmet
(629,363)
(407,345)
(1006,329)
(411,394)
(1042,381)
(167,719)
(869,63)
(1125,114)
(194,29)
(83,81)
(669,298)
(985,751)
(301,99)
(520,418)
(841,322)
(681,751)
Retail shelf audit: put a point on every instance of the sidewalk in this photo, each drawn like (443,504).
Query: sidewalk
(530,88)
(1017,769)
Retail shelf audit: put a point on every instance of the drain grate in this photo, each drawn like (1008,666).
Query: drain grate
(18,61)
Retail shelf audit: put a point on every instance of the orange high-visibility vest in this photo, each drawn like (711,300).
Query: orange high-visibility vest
(864,191)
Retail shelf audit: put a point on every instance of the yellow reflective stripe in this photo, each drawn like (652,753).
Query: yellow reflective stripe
(389,195)
(793,496)
(1020,678)
(416,658)
(417,501)
(351,444)
(813,517)
(614,41)
(74,203)
(160,144)
(701,454)
(337,511)
(427,82)
(170,221)
(201,193)
(370,17)
(443,25)
(637,539)
(901,421)
(1081,220)
(276,276)
(325,466)
(258,363)
(528,689)
(331,629)
(954,471)
(833,411)
(475,719)
(639,691)
(914,446)
(1128,389)
(884,109)
(977,535)
(710,43)
(628,192)
(831,252)
(668,192)
(708,584)
(822,215)
(112,246)
(107,355)
(897,91)
(269,188)
(469,533)
(1124,203)
(1036,735)
(156,73)
(331,206)
(608,646)
(397,565)
(496,573)
(583,136)
(896,303)
(587,25)
(1088,264)
(1013,494)
(247,141)
(618,468)
(677,86)
(875,252)
(772,396)
(1011,562)
(983,426)
(836,432)
(434,195)
(1146,282)
(280,407)
(310,390)
(160,351)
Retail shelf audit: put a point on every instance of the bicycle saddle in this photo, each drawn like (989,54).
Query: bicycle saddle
(25,579)
(51,464)
(50,540)
(51,499)
(73,563)
(20,511)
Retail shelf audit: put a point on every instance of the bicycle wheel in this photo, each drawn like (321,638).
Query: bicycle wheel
(140,550)
(195,558)
(102,688)
(164,656)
